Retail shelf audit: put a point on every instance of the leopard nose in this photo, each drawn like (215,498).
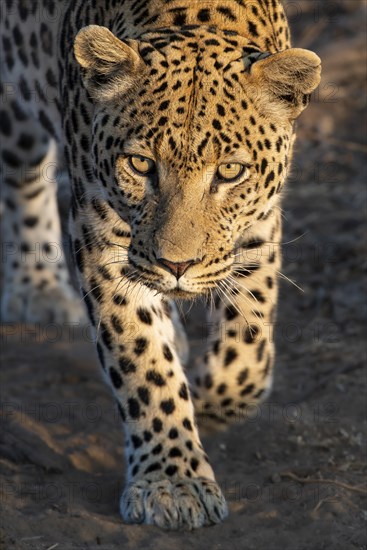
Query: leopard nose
(176,268)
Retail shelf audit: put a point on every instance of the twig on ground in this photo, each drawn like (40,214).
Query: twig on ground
(319,504)
(304,480)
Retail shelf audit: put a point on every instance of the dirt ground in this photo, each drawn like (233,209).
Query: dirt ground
(294,475)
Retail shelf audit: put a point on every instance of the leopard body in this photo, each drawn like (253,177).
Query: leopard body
(185,87)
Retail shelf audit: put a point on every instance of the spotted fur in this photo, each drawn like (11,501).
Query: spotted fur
(190,85)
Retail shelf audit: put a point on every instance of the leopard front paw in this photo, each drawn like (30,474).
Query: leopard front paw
(180,504)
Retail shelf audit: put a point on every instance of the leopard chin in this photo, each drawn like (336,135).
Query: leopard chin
(178,294)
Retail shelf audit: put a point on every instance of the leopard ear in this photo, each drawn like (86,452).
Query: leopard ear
(109,64)
(287,79)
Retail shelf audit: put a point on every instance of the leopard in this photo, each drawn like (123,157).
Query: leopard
(175,123)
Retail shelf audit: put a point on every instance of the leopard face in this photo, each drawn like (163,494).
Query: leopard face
(192,138)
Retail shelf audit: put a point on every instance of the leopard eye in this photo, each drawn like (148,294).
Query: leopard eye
(230,171)
(142,165)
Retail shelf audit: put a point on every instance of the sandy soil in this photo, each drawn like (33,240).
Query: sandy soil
(293,475)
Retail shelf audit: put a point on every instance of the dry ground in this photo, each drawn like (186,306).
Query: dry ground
(294,475)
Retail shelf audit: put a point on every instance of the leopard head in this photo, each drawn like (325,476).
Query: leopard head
(192,139)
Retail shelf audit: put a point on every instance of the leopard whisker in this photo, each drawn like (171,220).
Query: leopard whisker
(245,297)
(284,277)
(235,284)
(246,289)
(233,304)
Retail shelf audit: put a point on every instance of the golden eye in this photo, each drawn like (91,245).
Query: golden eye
(142,165)
(230,171)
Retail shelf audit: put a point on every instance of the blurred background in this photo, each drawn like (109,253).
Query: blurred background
(293,475)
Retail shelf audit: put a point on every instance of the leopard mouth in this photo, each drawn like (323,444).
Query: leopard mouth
(185,288)
(176,292)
